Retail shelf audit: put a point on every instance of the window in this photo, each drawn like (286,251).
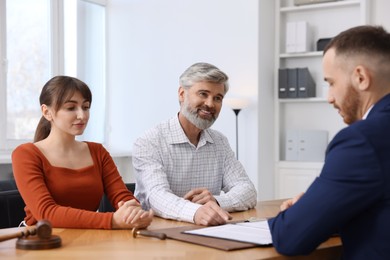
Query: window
(85,57)
(26,63)
(32,51)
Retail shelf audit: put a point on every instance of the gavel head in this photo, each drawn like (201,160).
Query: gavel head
(43,229)
(43,239)
(135,232)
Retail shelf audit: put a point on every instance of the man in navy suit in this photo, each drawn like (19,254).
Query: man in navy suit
(351,196)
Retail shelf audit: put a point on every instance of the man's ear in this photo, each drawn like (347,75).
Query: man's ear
(181,93)
(361,78)
(46,112)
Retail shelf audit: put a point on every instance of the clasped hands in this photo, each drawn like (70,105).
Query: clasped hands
(210,213)
(130,215)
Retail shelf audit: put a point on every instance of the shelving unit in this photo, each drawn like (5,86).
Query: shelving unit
(303,100)
(287,5)
(325,20)
(300,55)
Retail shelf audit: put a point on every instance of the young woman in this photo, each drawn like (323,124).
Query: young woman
(61,179)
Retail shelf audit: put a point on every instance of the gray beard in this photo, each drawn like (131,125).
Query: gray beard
(193,117)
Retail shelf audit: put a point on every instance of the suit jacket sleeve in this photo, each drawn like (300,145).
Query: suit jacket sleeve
(342,191)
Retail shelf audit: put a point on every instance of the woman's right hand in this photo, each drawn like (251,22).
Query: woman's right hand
(130,215)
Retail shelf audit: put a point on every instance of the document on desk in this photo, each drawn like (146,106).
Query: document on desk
(250,232)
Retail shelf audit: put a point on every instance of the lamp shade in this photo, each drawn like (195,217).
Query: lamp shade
(236,103)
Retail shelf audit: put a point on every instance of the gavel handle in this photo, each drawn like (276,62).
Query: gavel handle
(24,233)
(147,233)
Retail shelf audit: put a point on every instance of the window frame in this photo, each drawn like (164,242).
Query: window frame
(57,63)
(3,74)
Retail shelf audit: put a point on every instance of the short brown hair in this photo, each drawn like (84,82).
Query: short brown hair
(365,39)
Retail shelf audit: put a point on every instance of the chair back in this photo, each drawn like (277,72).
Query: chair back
(105,204)
(11,205)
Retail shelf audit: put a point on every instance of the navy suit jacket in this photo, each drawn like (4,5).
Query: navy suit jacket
(351,196)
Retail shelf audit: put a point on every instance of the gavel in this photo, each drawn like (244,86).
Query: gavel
(38,237)
(148,233)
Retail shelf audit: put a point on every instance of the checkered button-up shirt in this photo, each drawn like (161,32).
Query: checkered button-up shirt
(167,166)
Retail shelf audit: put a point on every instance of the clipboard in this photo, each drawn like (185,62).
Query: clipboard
(218,243)
(256,232)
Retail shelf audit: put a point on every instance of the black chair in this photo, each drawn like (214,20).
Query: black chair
(105,204)
(6,185)
(11,205)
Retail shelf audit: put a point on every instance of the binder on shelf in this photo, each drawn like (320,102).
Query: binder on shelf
(292,82)
(297,37)
(282,83)
(290,37)
(302,43)
(306,84)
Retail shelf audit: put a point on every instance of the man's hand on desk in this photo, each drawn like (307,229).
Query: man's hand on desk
(288,203)
(200,196)
(210,214)
(130,215)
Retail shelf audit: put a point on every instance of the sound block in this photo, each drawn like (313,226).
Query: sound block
(34,243)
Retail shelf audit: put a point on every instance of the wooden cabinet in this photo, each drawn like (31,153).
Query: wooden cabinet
(324,20)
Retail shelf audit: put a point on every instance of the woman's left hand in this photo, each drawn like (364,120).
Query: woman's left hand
(130,215)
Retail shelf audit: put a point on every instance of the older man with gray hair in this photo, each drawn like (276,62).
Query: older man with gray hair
(186,171)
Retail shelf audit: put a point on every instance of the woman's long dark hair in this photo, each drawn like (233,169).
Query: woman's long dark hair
(54,94)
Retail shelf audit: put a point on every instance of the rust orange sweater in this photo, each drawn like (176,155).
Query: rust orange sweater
(68,198)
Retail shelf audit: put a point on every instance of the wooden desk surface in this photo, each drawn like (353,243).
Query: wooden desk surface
(119,244)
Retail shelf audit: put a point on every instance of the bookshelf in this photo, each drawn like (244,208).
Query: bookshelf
(325,20)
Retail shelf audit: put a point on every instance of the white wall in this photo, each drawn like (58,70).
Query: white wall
(379,10)
(150,43)
(266,35)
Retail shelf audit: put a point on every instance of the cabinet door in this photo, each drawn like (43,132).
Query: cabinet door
(295,180)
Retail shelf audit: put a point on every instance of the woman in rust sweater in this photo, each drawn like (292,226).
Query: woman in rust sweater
(61,179)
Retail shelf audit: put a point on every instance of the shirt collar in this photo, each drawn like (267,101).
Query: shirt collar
(178,136)
(367,112)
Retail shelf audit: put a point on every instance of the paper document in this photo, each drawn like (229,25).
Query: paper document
(250,232)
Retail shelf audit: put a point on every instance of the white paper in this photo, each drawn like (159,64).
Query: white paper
(250,232)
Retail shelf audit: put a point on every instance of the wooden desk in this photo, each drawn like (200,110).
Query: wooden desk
(119,244)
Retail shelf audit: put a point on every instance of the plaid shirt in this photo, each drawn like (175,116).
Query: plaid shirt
(167,166)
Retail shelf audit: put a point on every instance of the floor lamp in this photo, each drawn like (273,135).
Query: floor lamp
(237,104)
